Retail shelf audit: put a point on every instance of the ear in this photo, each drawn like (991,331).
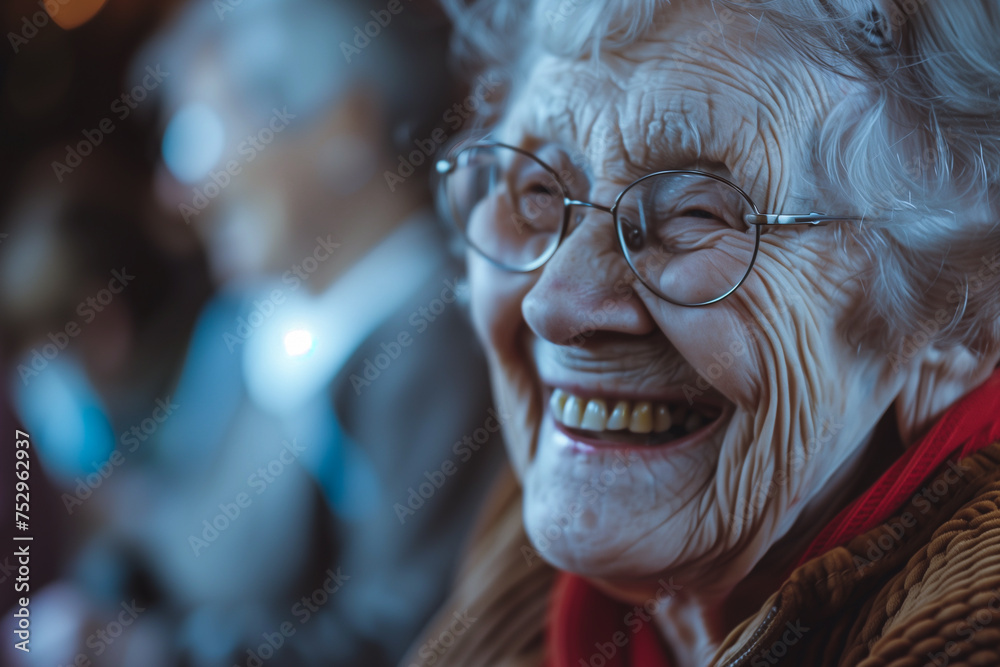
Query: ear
(934,380)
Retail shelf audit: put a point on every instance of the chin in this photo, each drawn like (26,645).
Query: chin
(614,479)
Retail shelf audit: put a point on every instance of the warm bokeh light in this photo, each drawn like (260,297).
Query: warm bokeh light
(71,14)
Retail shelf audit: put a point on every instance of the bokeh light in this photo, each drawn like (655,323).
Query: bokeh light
(193,142)
(69,14)
(298,342)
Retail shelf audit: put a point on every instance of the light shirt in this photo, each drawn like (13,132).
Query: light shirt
(297,350)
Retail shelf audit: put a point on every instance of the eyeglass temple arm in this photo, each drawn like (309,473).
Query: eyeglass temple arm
(814,219)
(576,202)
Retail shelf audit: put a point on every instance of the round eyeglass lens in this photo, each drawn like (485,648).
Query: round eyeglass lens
(684,235)
(507,204)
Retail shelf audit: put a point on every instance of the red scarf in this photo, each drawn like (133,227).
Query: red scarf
(589,629)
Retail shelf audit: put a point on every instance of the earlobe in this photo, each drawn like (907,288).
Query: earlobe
(934,380)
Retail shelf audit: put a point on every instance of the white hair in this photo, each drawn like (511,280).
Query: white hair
(919,149)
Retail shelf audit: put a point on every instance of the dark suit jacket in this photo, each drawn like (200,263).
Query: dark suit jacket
(421,415)
(403,413)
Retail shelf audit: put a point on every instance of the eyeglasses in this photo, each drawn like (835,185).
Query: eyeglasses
(691,237)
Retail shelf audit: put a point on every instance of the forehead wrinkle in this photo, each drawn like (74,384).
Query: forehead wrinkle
(753,111)
(599,138)
(779,164)
(761,133)
(668,136)
(692,116)
(763,169)
(577,106)
(631,115)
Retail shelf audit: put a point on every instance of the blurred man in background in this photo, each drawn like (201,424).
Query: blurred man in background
(337,340)
(304,496)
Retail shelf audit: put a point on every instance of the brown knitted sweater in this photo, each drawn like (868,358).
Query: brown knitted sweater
(923,588)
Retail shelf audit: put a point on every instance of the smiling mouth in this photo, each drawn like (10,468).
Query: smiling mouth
(600,420)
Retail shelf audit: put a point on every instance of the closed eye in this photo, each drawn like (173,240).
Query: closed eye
(705,214)
(698,213)
(540,189)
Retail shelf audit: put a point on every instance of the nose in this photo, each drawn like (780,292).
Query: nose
(586,287)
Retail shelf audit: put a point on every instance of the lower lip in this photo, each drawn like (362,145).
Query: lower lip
(563,438)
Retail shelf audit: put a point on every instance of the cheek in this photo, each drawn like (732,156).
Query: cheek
(496,315)
(783,321)
(722,344)
(496,306)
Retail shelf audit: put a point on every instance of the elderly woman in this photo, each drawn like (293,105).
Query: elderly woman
(736,265)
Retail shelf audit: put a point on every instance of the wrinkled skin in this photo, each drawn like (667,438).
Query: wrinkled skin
(799,400)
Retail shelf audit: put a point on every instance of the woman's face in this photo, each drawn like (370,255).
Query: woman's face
(771,397)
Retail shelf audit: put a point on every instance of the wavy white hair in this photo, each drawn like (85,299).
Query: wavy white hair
(920,147)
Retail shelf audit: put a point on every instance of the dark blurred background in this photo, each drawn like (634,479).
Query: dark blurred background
(234,330)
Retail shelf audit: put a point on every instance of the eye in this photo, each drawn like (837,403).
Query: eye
(540,188)
(541,191)
(723,219)
(698,213)
(538,201)
(633,235)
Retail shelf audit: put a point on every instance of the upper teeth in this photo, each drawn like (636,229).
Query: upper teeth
(637,417)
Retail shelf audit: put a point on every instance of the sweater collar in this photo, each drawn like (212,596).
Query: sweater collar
(589,629)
